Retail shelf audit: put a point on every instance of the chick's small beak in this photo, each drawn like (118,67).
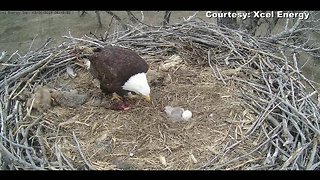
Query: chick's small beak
(147,98)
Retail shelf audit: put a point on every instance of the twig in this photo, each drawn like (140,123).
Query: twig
(81,154)
(310,165)
(25,134)
(13,159)
(15,144)
(83,40)
(124,26)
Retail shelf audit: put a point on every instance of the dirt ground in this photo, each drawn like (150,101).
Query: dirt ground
(144,137)
(21,30)
(24,30)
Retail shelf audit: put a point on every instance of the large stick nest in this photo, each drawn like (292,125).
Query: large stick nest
(253,109)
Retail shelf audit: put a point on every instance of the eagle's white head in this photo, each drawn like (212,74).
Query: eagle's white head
(139,84)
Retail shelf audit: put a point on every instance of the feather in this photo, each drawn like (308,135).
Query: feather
(113,66)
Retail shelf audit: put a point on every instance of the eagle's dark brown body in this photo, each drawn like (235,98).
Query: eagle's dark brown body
(113,66)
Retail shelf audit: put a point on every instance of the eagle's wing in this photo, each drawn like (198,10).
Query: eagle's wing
(113,66)
(106,75)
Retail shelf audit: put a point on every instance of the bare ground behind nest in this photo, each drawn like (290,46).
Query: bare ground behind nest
(143,137)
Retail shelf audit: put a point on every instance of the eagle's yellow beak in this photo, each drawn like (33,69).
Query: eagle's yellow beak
(147,98)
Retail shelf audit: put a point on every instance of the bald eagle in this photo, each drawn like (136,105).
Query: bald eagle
(120,71)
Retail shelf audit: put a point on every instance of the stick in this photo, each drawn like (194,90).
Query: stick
(14,160)
(81,154)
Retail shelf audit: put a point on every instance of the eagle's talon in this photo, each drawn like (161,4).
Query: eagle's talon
(115,96)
